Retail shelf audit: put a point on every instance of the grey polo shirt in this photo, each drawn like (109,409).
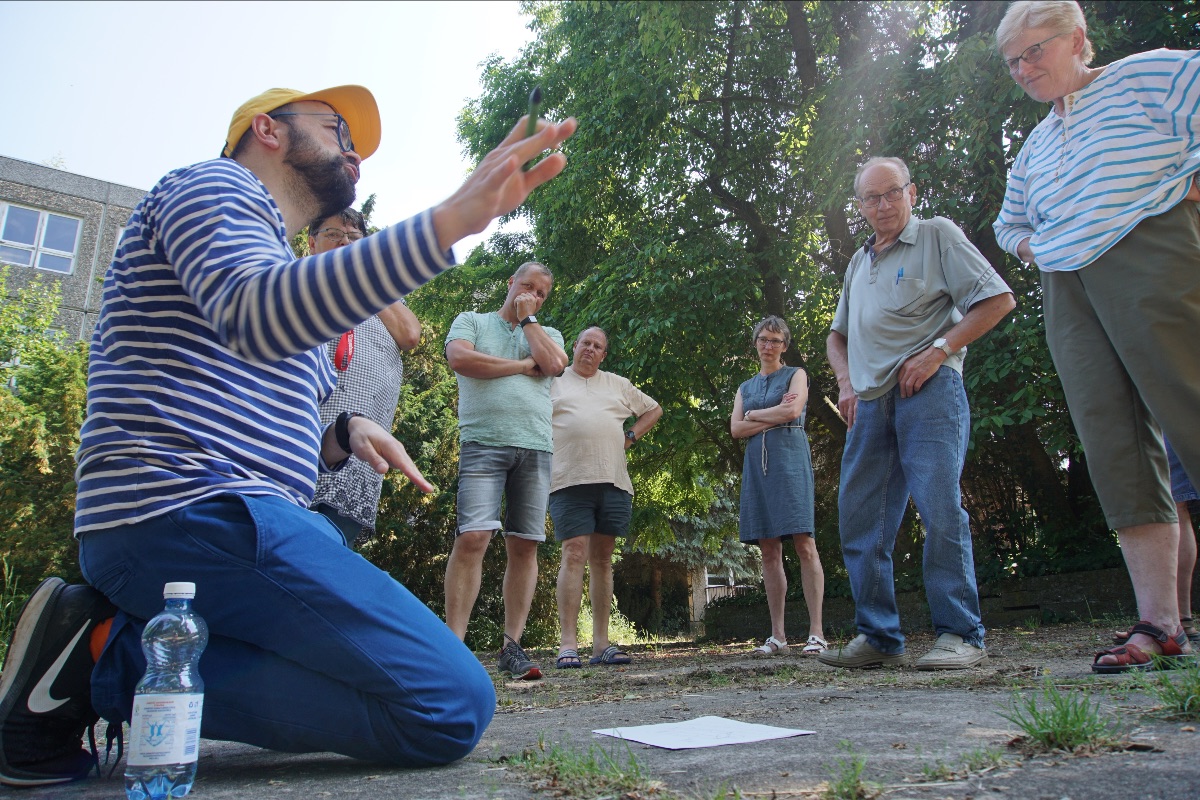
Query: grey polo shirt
(896,304)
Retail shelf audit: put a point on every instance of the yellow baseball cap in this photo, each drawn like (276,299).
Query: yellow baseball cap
(355,103)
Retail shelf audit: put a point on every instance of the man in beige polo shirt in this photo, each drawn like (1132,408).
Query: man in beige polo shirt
(591,496)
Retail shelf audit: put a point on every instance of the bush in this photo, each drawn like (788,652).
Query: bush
(42,404)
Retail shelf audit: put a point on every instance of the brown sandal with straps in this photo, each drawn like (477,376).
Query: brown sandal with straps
(1131,658)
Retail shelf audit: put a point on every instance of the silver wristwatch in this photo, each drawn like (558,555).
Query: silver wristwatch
(941,344)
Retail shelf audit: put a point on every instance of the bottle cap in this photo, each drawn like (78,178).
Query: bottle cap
(179,590)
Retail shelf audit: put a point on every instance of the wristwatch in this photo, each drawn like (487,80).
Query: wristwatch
(341,429)
(531,319)
(631,436)
(943,345)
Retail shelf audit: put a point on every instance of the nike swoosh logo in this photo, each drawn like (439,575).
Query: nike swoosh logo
(40,700)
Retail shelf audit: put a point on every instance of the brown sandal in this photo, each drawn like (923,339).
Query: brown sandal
(1131,658)
(1121,637)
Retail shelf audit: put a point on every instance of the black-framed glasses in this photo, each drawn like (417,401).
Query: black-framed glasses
(1030,55)
(891,195)
(335,235)
(343,127)
(765,342)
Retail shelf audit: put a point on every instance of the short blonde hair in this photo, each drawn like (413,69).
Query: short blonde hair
(537,265)
(775,325)
(1060,16)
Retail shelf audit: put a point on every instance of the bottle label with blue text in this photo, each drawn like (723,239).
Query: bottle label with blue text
(165,729)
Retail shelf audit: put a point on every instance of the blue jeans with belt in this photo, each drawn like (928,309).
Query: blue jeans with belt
(897,448)
(311,647)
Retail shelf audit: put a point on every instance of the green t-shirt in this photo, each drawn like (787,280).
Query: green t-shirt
(513,411)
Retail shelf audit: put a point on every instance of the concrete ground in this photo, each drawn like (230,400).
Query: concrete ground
(918,732)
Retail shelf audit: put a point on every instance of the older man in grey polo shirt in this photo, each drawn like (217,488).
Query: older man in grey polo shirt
(913,298)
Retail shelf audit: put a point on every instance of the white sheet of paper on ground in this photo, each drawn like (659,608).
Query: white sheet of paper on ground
(700,732)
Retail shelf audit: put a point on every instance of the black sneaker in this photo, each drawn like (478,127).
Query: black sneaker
(45,686)
(514,661)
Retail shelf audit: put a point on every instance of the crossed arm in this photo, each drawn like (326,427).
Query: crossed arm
(743,424)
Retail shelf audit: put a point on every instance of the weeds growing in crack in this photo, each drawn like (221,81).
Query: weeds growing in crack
(1054,720)
(594,773)
(847,782)
(1177,691)
(970,763)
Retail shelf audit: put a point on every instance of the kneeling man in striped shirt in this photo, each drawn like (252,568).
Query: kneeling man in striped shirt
(202,445)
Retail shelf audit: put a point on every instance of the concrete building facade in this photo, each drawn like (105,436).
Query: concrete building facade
(63,227)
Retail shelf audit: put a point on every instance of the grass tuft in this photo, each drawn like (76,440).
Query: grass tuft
(595,773)
(972,762)
(1178,692)
(1067,721)
(847,782)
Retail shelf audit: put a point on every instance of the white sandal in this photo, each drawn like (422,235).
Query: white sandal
(815,645)
(771,647)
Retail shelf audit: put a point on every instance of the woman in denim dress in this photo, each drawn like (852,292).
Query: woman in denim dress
(777,481)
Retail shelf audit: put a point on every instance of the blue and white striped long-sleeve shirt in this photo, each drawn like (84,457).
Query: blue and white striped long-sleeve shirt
(208,362)
(1122,152)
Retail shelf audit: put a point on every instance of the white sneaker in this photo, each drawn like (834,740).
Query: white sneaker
(951,652)
(860,654)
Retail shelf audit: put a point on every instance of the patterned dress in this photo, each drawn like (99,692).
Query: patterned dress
(777,475)
(370,386)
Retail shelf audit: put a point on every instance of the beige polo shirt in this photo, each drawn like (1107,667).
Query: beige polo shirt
(589,428)
(900,302)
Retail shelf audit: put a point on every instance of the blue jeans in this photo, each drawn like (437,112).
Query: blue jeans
(311,647)
(897,448)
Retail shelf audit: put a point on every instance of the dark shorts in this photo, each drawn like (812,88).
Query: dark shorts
(1182,489)
(590,508)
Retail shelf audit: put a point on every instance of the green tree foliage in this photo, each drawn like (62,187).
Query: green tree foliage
(42,404)
(709,185)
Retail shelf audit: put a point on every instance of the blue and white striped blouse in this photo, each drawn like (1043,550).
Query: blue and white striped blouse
(208,361)
(1122,153)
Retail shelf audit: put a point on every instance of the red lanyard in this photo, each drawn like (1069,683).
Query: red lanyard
(344,351)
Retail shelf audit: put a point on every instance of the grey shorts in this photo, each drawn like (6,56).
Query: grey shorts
(590,508)
(519,477)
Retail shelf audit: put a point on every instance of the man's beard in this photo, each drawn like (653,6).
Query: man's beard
(324,177)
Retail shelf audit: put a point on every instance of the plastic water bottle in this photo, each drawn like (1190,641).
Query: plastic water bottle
(165,731)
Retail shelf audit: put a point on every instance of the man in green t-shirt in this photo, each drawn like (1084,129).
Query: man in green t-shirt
(504,361)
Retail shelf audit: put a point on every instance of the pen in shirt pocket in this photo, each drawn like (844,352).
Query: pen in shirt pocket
(899,275)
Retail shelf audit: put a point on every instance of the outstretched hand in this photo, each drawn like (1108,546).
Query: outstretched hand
(498,185)
(373,444)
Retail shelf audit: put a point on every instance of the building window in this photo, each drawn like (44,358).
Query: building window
(33,238)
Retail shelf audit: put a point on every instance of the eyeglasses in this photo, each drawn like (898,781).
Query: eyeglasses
(343,127)
(1030,55)
(765,342)
(334,235)
(891,195)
